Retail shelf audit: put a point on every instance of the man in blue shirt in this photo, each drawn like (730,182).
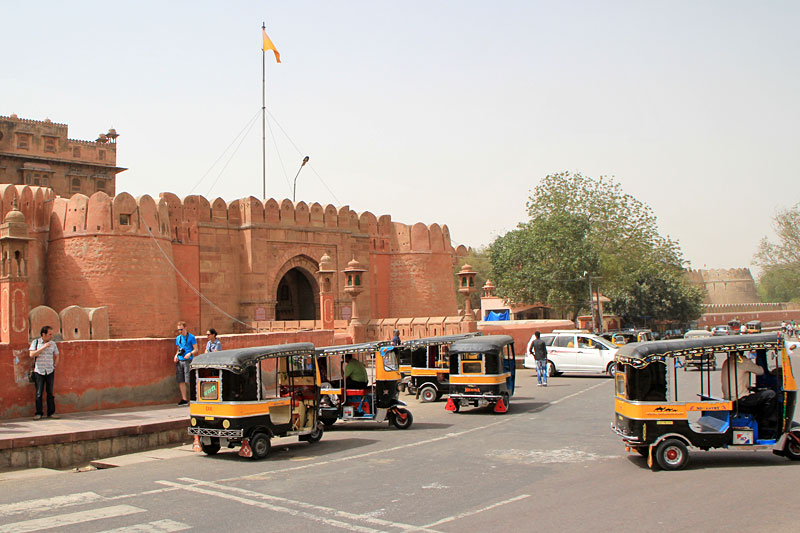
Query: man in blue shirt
(187,349)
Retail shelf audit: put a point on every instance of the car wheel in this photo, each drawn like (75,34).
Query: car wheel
(551,369)
(428,394)
(611,369)
(672,454)
(260,445)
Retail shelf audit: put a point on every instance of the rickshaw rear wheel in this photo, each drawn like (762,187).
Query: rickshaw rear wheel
(428,394)
(402,423)
(328,422)
(212,448)
(672,454)
(260,445)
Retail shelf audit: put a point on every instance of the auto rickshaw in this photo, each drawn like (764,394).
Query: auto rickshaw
(247,396)
(377,401)
(482,372)
(656,421)
(754,326)
(699,359)
(430,365)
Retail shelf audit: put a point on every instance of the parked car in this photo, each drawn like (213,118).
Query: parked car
(722,330)
(575,351)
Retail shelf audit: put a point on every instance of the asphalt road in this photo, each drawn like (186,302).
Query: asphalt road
(550,463)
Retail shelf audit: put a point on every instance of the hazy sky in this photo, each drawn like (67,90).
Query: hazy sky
(434,111)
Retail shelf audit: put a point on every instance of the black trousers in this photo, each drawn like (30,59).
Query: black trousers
(42,381)
(761,403)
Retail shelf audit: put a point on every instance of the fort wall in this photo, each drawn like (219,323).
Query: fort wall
(725,286)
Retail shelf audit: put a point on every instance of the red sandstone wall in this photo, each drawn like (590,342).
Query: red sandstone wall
(94,261)
(109,374)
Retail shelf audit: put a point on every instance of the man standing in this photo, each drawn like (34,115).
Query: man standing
(187,349)
(45,354)
(539,349)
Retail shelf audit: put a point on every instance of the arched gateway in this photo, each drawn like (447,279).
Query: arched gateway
(297,292)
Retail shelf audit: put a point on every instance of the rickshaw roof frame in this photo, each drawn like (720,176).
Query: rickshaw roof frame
(481,344)
(640,353)
(237,359)
(361,348)
(442,339)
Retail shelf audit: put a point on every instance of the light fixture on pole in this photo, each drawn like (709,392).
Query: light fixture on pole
(294,186)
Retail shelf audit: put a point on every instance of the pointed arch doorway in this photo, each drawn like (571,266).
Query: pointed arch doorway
(297,291)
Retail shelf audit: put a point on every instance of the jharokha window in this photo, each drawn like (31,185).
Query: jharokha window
(23,141)
(49,144)
(76,185)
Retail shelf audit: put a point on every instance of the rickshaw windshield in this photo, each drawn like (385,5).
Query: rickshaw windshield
(472,363)
(389,359)
(301,365)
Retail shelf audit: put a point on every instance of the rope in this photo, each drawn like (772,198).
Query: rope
(188,284)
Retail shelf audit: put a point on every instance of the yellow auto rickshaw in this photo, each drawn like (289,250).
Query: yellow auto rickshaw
(482,372)
(247,396)
(660,420)
(430,365)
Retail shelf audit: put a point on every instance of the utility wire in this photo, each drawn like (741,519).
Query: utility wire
(301,152)
(248,124)
(280,159)
(252,123)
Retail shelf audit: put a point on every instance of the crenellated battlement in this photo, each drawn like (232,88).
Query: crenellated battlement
(36,203)
(46,122)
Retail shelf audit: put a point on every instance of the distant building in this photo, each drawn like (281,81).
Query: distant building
(40,153)
(725,286)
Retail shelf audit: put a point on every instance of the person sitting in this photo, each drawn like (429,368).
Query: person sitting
(355,373)
(761,403)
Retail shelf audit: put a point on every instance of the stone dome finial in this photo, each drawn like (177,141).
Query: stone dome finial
(15,216)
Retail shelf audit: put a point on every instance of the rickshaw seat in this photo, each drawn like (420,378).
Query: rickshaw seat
(710,398)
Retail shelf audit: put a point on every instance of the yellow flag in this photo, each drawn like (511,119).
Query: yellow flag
(269,46)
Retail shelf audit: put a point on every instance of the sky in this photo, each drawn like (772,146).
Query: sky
(434,111)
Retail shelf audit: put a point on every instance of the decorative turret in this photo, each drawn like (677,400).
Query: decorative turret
(14,278)
(354,285)
(325,276)
(466,286)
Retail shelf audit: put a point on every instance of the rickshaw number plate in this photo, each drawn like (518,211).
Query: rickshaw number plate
(209,418)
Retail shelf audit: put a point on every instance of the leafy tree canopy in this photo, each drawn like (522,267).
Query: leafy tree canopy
(780,261)
(579,224)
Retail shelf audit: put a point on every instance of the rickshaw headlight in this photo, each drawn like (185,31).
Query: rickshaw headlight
(194,421)
(226,424)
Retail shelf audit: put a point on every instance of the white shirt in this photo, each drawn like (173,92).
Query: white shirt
(45,363)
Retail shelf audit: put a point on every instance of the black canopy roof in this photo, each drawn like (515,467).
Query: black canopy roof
(442,339)
(238,359)
(698,345)
(489,343)
(364,347)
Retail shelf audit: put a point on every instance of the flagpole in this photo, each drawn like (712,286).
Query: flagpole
(263,119)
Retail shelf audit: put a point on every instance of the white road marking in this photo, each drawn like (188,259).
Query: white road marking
(48,504)
(563,455)
(271,507)
(311,507)
(159,526)
(470,513)
(70,519)
(555,402)
(382,451)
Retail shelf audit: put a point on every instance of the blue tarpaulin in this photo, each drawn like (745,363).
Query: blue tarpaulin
(495,315)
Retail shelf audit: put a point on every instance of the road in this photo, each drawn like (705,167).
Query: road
(550,463)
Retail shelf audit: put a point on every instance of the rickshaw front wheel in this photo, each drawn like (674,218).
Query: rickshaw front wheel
(313,437)
(212,448)
(792,447)
(260,445)
(672,454)
(402,419)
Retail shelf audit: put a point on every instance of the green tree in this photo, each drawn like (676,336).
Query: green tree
(479,261)
(579,224)
(533,264)
(780,261)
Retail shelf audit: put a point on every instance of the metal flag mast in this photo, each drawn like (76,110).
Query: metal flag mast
(263,115)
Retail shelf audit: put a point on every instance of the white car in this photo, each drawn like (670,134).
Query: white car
(575,351)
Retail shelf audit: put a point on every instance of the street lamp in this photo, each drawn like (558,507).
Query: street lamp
(294,186)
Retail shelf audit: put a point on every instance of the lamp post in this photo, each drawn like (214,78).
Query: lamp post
(294,185)
(591,300)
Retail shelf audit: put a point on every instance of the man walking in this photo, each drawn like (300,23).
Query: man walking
(187,349)
(45,355)
(539,349)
